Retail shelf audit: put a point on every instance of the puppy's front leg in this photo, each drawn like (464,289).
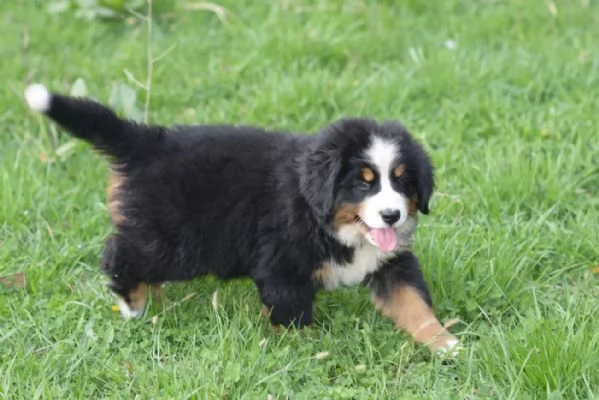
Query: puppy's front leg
(287,302)
(400,293)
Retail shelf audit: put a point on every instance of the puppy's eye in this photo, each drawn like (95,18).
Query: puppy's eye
(364,185)
(400,179)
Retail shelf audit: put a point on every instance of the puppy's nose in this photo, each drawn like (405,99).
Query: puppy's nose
(390,216)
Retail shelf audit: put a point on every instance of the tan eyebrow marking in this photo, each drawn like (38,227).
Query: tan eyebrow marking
(399,170)
(367,174)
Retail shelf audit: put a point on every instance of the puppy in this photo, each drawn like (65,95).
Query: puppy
(295,213)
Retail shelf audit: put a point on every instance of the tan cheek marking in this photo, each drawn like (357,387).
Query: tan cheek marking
(360,210)
(413,207)
(399,170)
(412,314)
(114,202)
(138,297)
(367,174)
(345,214)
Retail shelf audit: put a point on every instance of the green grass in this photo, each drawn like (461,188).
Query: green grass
(509,116)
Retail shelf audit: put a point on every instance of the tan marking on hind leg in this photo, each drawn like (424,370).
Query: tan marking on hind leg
(114,201)
(157,293)
(266,310)
(410,312)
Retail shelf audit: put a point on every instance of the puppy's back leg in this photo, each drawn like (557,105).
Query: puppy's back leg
(118,262)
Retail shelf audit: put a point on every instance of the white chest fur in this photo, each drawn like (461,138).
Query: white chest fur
(366,260)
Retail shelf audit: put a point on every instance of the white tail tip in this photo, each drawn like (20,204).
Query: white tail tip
(37,97)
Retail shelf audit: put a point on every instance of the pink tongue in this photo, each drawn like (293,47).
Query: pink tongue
(385,238)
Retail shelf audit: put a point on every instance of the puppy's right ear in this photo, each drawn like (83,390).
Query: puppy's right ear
(319,169)
(425,179)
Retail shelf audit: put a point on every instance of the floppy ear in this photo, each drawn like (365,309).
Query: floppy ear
(319,169)
(424,180)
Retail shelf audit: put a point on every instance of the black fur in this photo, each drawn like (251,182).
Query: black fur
(237,201)
(403,270)
(86,119)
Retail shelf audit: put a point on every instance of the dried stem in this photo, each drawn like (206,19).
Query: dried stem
(150,61)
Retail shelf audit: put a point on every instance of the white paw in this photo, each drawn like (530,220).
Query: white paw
(127,312)
(451,346)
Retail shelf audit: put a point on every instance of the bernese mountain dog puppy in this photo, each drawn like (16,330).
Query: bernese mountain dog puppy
(295,213)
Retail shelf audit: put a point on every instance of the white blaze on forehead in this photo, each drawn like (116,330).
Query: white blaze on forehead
(383,154)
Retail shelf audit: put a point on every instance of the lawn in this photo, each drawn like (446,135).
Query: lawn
(503,94)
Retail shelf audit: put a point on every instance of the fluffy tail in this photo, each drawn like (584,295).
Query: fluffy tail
(93,122)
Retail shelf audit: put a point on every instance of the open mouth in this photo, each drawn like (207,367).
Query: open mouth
(383,238)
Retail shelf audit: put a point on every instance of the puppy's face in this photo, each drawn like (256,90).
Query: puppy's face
(376,177)
(377,193)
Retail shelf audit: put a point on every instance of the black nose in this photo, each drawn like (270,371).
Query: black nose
(390,216)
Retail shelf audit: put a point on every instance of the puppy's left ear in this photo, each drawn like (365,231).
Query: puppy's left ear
(425,180)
